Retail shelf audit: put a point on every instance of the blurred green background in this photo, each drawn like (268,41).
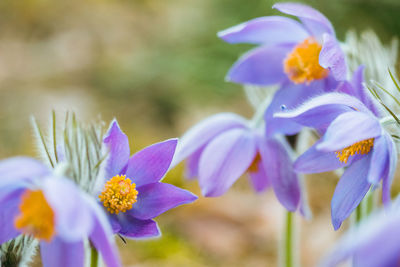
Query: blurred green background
(158,67)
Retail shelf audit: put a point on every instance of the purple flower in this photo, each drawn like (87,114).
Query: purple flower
(133,193)
(301,52)
(374,243)
(35,202)
(353,138)
(223,147)
(304,59)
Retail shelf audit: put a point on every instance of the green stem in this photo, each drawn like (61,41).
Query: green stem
(94,256)
(288,255)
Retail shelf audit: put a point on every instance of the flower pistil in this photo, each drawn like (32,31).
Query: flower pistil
(363,147)
(119,194)
(36,217)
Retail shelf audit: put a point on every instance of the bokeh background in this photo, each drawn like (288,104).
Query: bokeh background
(158,67)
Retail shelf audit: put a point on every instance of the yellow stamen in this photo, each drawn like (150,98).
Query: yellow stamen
(36,216)
(254,165)
(119,194)
(362,147)
(302,63)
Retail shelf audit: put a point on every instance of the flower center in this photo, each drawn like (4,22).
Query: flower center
(302,64)
(254,165)
(36,217)
(362,147)
(119,194)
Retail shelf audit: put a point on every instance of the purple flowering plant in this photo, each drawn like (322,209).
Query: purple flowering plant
(34,201)
(132,192)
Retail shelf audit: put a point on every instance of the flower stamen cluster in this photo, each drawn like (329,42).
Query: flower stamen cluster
(362,147)
(302,63)
(36,217)
(119,194)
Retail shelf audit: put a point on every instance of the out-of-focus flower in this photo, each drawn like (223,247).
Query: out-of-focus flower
(34,201)
(374,243)
(133,194)
(353,138)
(301,52)
(225,146)
(304,59)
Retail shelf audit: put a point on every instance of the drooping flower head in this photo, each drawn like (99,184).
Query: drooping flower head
(353,138)
(303,58)
(132,192)
(225,146)
(374,243)
(36,202)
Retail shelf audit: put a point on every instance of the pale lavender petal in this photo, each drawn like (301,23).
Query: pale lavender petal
(101,235)
(380,159)
(62,254)
(150,164)
(316,23)
(73,219)
(388,177)
(259,178)
(135,228)
(118,145)
(332,57)
(260,66)
(321,110)
(316,161)
(156,198)
(21,169)
(192,165)
(289,96)
(349,128)
(350,190)
(224,160)
(8,212)
(203,132)
(279,168)
(265,30)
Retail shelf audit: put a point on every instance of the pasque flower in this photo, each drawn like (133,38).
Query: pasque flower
(303,58)
(353,138)
(132,193)
(225,146)
(374,243)
(34,201)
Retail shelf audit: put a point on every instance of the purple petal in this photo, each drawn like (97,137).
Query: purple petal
(224,160)
(388,177)
(260,66)
(192,165)
(135,228)
(259,178)
(316,161)
(9,210)
(203,132)
(332,57)
(150,164)
(21,169)
(118,144)
(316,23)
(279,167)
(102,235)
(348,129)
(320,111)
(380,159)
(289,96)
(350,190)
(154,199)
(62,254)
(265,30)
(73,219)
